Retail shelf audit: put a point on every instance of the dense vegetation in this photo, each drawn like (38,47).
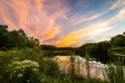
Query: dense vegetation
(24,60)
(106,50)
(16,39)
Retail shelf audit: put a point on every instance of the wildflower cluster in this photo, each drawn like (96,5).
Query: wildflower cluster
(25,64)
(24,70)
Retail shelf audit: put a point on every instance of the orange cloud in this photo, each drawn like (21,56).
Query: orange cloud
(78,35)
(92,29)
(32,17)
(39,18)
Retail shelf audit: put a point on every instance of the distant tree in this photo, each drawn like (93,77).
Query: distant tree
(103,50)
(98,50)
(118,40)
(37,41)
(22,33)
(48,47)
(3,28)
(66,48)
(123,32)
(82,49)
(3,36)
(31,42)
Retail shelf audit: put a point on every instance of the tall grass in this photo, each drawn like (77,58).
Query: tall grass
(87,64)
(115,72)
(49,67)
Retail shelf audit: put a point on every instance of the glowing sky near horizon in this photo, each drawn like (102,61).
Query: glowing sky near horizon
(65,22)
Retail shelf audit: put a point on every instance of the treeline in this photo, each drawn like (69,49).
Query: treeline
(51,47)
(95,50)
(16,39)
(102,50)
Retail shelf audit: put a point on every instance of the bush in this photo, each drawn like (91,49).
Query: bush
(5,60)
(3,49)
(49,67)
(30,54)
(24,72)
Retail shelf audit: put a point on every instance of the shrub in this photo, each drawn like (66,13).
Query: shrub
(24,72)
(30,54)
(49,67)
(5,60)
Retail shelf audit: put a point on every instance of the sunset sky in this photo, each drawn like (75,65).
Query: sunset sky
(65,22)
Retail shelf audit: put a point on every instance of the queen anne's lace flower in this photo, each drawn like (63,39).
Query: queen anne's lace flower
(19,67)
(19,75)
(25,63)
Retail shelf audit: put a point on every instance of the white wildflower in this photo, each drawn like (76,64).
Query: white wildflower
(29,63)
(20,66)
(16,63)
(19,75)
(28,81)
(14,71)
(35,69)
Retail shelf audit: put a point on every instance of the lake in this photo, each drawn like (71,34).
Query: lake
(81,66)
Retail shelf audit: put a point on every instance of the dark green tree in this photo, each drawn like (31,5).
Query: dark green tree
(15,39)
(99,50)
(118,40)
(3,37)
(48,47)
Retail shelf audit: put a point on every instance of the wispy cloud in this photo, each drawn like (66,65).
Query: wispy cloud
(92,29)
(81,18)
(32,16)
(61,22)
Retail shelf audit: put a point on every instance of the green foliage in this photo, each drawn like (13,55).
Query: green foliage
(49,67)
(31,54)
(102,51)
(97,50)
(115,72)
(117,51)
(15,39)
(48,79)
(5,59)
(48,47)
(118,40)
(93,80)
(82,49)
(87,64)
(72,71)
(26,71)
